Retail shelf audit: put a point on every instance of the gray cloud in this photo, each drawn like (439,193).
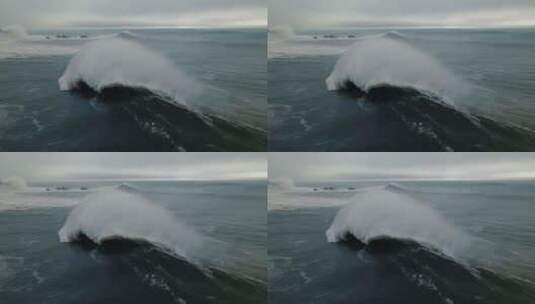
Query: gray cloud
(202,13)
(355,13)
(188,166)
(354,166)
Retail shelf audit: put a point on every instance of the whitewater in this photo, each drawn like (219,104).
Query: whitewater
(383,61)
(110,215)
(118,62)
(383,214)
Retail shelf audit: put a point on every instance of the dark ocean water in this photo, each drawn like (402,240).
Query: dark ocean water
(482,98)
(494,224)
(230,66)
(35,267)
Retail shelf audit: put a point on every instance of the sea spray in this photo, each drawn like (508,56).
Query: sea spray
(379,61)
(116,214)
(118,62)
(14,183)
(382,214)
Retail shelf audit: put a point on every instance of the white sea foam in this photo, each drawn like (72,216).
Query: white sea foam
(120,62)
(381,60)
(382,213)
(22,201)
(116,214)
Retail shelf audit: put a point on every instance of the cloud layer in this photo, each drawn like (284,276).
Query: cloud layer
(401,166)
(394,13)
(101,13)
(121,166)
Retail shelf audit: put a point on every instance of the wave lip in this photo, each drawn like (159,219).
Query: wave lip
(117,215)
(383,214)
(386,61)
(116,62)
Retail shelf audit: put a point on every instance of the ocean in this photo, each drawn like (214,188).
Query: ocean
(135,242)
(133,90)
(403,242)
(402,90)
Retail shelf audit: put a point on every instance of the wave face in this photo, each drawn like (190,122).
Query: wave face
(383,61)
(117,215)
(383,214)
(117,62)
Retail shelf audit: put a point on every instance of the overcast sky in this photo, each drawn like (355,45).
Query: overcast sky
(401,166)
(99,166)
(134,13)
(399,13)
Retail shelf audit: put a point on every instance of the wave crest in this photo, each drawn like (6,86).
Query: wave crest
(383,214)
(386,60)
(117,215)
(117,62)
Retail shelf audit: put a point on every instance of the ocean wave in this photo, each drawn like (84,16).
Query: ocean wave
(118,62)
(369,63)
(126,34)
(383,214)
(117,215)
(127,187)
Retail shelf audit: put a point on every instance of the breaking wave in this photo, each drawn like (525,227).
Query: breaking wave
(389,61)
(117,215)
(383,214)
(117,62)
